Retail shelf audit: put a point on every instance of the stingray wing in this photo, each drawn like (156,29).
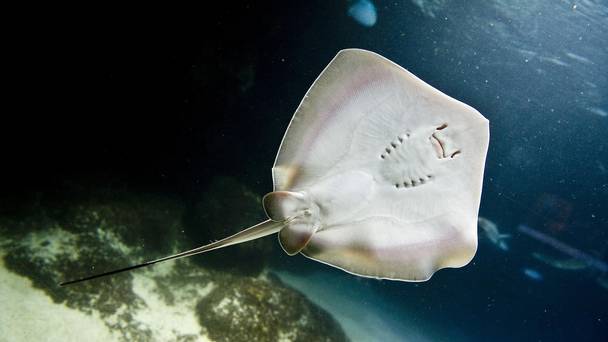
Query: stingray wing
(322,127)
(355,84)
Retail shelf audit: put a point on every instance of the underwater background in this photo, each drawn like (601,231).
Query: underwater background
(139,132)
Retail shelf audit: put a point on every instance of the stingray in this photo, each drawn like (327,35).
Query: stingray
(364,12)
(493,234)
(378,174)
(568,264)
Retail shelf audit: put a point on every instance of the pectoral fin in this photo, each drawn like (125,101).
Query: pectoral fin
(295,236)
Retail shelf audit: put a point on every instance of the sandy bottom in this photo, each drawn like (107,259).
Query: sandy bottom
(168,322)
(28,314)
(363,314)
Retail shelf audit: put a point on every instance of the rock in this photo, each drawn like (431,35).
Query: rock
(165,302)
(67,240)
(250,309)
(151,223)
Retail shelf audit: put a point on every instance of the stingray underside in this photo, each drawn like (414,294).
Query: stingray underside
(387,169)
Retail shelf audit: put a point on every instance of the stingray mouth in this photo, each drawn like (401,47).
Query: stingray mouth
(440,145)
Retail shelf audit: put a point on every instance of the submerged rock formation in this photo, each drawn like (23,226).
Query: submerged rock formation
(249,309)
(175,301)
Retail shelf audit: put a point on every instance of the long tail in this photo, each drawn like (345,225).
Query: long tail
(262,229)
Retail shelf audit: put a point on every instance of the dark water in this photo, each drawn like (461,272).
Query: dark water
(166,104)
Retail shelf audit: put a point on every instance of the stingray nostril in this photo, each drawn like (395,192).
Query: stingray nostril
(442,126)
